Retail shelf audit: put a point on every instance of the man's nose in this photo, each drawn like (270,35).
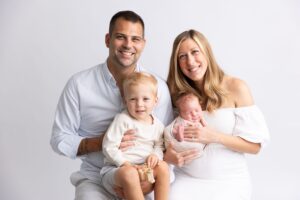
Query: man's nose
(127,43)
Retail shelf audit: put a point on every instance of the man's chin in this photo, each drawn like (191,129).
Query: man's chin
(127,63)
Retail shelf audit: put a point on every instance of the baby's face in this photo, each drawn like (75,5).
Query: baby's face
(190,110)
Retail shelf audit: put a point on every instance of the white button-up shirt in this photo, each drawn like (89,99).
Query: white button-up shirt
(87,106)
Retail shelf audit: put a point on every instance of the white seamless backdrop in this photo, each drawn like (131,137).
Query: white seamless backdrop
(42,43)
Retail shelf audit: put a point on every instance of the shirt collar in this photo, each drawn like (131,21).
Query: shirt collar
(109,77)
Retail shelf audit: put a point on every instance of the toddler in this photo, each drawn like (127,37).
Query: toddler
(143,161)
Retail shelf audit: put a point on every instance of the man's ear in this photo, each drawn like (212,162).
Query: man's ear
(107,40)
(144,43)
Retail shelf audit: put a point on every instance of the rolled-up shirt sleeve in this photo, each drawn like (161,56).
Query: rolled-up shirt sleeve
(65,138)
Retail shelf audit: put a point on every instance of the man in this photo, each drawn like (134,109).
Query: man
(91,99)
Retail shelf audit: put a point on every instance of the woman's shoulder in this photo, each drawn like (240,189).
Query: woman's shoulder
(239,91)
(234,84)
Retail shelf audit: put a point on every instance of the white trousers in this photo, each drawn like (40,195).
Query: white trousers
(86,189)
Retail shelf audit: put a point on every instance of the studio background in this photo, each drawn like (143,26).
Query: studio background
(42,43)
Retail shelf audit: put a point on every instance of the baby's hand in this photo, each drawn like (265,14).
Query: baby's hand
(179,133)
(152,161)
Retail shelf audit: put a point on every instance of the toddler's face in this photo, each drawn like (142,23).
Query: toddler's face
(190,110)
(140,101)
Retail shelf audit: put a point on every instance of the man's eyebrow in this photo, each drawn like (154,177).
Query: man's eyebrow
(136,36)
(119,34)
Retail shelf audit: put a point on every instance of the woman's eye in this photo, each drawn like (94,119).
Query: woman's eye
(195,51)
(181,57)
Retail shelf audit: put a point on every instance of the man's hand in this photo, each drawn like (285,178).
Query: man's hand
(127,140)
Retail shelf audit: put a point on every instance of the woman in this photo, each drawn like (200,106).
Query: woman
(234,125)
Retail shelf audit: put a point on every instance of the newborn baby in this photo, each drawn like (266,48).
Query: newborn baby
(190,114)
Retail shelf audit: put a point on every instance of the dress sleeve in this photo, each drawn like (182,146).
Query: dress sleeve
(250,125)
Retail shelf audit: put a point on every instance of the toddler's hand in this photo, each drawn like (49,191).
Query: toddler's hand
(152,161)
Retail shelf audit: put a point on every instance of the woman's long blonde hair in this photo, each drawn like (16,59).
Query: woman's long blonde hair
(212,95)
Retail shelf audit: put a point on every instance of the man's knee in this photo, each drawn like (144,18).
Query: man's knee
(89,190)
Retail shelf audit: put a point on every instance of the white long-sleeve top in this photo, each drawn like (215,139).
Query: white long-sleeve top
(149,140)
(87,106)
(221,173)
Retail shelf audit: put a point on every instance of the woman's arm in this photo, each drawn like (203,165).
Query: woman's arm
(239,96)
(207,135)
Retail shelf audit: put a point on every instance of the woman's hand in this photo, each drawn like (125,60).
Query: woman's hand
(127,140)
(179,159)
(200,134)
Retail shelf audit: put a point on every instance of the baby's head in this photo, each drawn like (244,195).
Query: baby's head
(189,106)
(140,94)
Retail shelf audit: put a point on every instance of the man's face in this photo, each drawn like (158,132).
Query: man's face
(125,44)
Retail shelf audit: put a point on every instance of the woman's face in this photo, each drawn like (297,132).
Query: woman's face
(192,61)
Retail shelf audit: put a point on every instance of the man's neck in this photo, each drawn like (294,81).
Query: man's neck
(120,73)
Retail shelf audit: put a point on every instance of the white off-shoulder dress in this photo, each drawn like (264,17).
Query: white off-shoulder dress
(221,173)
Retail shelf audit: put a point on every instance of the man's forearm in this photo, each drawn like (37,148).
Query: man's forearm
(89,145)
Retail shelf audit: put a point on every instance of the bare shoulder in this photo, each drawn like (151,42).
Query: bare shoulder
(239,91)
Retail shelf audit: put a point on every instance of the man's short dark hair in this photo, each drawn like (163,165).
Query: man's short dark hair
(128,16)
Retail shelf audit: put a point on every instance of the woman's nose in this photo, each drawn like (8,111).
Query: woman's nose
(190,60)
